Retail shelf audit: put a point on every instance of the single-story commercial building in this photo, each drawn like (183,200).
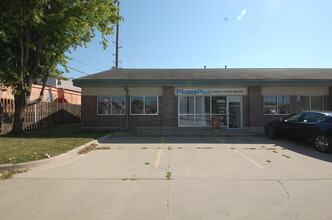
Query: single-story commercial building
(230,98)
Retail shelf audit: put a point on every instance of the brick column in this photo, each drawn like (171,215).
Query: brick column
(88,110)
(169,108)
(245,111)
(255,107)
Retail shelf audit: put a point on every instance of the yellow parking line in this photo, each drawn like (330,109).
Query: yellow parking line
(156,164)
(244,156)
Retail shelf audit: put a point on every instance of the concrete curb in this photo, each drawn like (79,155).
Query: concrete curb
(187,135)
(48,161)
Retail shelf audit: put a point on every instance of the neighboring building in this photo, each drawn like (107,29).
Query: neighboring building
(236,98)
(53,92)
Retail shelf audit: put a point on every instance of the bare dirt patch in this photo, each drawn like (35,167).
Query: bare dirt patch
(88,149)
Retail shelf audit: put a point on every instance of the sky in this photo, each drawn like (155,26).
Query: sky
(177,34)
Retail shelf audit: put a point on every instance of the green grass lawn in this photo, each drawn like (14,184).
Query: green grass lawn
(35,144)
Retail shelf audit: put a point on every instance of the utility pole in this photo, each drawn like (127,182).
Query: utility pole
(117,42)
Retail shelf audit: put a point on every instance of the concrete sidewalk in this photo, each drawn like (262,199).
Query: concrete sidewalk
(188,132)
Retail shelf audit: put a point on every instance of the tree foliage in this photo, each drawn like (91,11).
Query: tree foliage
(35,36)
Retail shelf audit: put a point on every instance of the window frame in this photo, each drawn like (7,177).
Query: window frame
(111,104)
(144,104)
(277,104)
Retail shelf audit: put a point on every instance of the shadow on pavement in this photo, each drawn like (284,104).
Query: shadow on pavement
(300,147)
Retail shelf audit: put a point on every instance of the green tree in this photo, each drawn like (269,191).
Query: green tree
(36,35)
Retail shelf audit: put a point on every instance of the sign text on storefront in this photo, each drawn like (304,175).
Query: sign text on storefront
(211,92)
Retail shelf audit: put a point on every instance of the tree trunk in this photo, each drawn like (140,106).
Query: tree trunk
(21,102)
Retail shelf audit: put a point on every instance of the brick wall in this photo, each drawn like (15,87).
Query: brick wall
(91,119)
(144,121)
(255,107)
(245,112)
(169,110)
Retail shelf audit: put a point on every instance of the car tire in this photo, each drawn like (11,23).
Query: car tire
(271,132)
(322,143)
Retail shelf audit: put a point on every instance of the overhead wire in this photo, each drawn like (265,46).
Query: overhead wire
(136,51)
(74,73)
(87,65)
(77,70)
(127,54)
(124,58)
(132,39)
(96,61)
(130,47)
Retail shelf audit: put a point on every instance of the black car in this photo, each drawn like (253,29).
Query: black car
(313,126)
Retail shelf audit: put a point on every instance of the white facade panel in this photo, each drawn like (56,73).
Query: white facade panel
(298,91)
(120,91)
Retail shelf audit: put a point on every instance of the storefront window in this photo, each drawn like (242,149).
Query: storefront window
(270,105)
(277,105)
(317,103)
(219,105)
(284,105)
(144,105)
(151,106)
(194,111)
(187,120)
(302,104)
(202,105)
(202,120)
(309,103)
(137,105)
(104,105)
(111,105)
(186,105)
(118,105)
(199,111)
(219,109)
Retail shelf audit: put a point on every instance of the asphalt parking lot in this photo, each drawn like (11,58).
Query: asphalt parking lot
(177,178)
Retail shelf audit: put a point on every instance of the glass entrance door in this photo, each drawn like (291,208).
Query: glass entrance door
(202,111)
(234,111)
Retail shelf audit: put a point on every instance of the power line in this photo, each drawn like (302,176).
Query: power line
(101,64)
(77,70)
(128,55)
(131,47)
(139,55)
(125,56)
(74,73)
(88,65)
